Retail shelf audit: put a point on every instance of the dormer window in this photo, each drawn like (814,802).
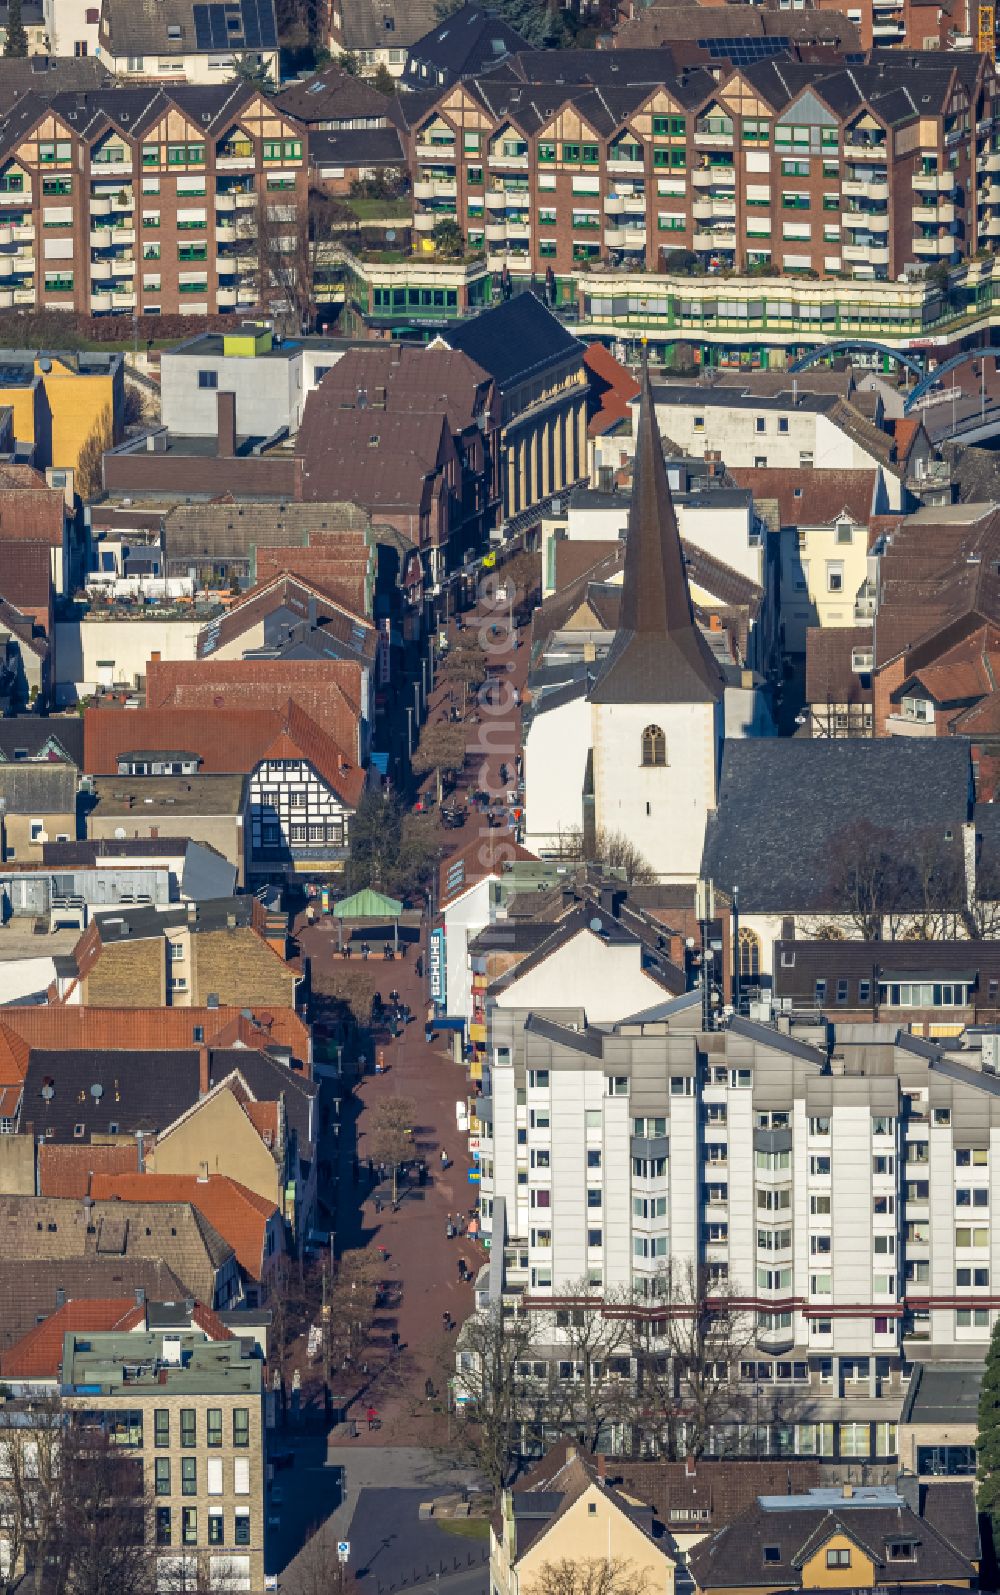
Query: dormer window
(902,1551)
(772,1553)
(920,709)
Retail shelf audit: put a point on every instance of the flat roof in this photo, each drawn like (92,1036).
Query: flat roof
(213,343)
(167,794)
(123,1364)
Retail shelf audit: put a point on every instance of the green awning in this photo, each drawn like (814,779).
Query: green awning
(367,904)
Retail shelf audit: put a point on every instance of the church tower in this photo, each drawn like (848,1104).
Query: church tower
(657,703)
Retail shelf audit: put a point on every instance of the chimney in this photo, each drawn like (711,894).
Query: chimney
(571,1453)
(140,1296)
(226,412)
(230,920)
(140,1151)
(192,913)
(848,1492)
(60,1297)
(189,1305)
(690,1467)
(204,1083)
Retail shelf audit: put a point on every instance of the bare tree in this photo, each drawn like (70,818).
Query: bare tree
(597,1575)
(102,1546)
(687,1346)
(29,1466)
(492,1344)
(90,463)
(866,880)
(612,848)
(389,1135)
(441,749)
(291,243)
(594,1332)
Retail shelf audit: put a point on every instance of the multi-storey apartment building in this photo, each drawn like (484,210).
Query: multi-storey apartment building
(152,200)
(860,171)
(832,1186)
(193,1410)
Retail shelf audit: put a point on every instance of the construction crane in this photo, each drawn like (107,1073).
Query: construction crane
(986,37)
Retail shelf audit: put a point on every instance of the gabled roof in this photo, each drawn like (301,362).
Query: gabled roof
(25,573)
(225,741)
(515,340)
(307,603)
(472,39)
(329,691)
(239,1215)
(67,1168)
(820,791)
(811,497)
(184,27)
(485,856)
(79,1028)
(659,655)
(32,736)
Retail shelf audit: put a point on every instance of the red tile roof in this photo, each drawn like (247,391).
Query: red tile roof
(25,573)
(38,1354)
(614,386)
(485,855)
(239,1215)
(226,741)
(811,497)
(343,579)
(67,1170)
(30,511)
(80,1029)
(328,690)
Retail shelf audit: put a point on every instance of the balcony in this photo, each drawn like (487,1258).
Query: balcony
(518,230)
(225,233)
(992,228)
(622,164)
(516,163)
(24,232)
(714,177)
(712,141)
(226,298)
(496,199)
(496,232)
(933,182)
(101,270)
(614,204)
(866,254)
(235,157)
(635,204)
(702,208)
(436,188)
(865,188)
(24,295)
(718,239)
(425,222)
(123,299)
(934,247)
(225,203)
(243,201)
(6,298)
(989,161)
(614,237)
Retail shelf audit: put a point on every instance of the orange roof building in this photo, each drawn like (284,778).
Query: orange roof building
(249,1222)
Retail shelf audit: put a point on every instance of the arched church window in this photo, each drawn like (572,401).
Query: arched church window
(749,945)
(654,746)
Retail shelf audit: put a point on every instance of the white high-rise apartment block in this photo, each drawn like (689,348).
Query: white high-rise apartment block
(833,1185)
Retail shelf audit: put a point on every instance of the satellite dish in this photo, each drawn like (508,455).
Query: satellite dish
(596,926)
(47,1093)
(97,1092)
(120,833)
(390,235)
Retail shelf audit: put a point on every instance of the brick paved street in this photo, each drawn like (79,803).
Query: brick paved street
(420,1261)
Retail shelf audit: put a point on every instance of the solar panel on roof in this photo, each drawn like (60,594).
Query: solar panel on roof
(745,51)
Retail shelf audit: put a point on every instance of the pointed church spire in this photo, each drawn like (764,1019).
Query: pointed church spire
(658,654)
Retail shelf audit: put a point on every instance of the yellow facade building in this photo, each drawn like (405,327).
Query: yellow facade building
(64,403)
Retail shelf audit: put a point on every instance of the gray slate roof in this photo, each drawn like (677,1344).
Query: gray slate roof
(40,788)
(787,805)
(514,340)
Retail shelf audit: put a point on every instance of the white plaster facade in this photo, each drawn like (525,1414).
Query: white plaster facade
(587,971)
(662,810)
(555,764)
(102,653)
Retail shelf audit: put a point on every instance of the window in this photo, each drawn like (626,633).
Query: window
(214,1471)
(749,946)
(654,747)
(214,1426)
(241,1476)
(241,1426)
(189,1434)
(189,1475)
(838,1558)
(206,379)
(241,1525)
(618,1085)
(216,1527)
(834,576)
(162,1471)
(189,1525)
(161,1426)
(163,1525)
(971,1157)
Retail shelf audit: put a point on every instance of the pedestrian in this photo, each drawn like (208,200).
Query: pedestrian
(310,915)
(378,1204)
(461,1223)
(429,1388)
(446,1320)
(394,997)
(365,950)
(372,1417)
(462,1269)
(382,1254)
(449,1226)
